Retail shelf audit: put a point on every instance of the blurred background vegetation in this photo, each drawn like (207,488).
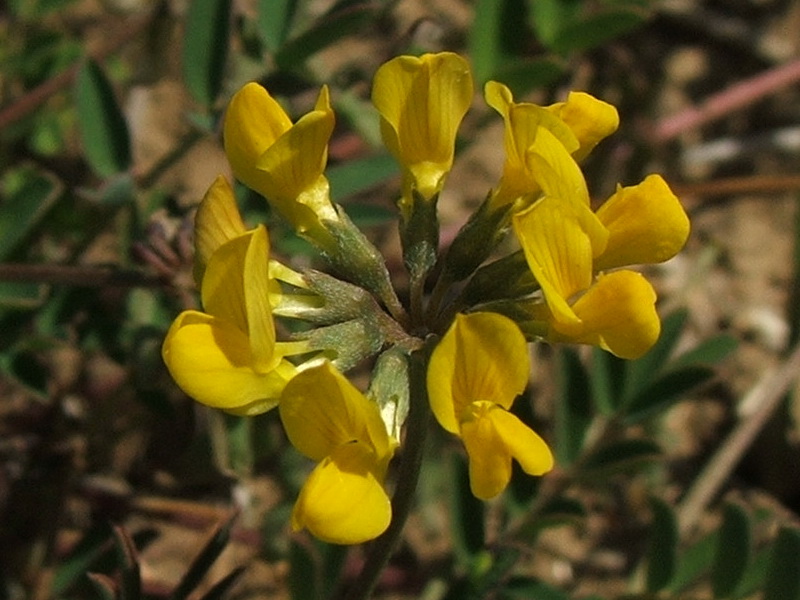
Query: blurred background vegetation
(678,474)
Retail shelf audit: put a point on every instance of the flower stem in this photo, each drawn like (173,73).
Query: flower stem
(407,478)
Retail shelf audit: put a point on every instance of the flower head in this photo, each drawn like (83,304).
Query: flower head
(282,161)
(227,356)
(543,145)
(327,419)
(421,102)
(616,311)
(476,371)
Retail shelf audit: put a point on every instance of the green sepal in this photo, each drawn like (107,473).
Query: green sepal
(339,300)
(476,240)
(347,343)
(357,259)
(389,388)
(506,278)
(419,234)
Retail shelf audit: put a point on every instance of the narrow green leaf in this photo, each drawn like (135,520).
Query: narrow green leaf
(620,456)
(596,30)
(275,21)
(205,48)
(665,391)
(558,513)
(24,208)
(709,352)
(549,17)
(783,575)
(303,577)
(203,561)
(467,512)
(328,30)
(485,37)
(334,560)
(103,131)
(663,547)
(607,378)
(733,551)
(694,562)
(573,409)
(755,574)
(642,371)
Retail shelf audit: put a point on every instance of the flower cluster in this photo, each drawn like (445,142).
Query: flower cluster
(468,314)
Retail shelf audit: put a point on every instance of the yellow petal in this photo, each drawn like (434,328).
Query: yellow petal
(590,119)
(422,102)
(646,224)
(554,169)
(253,122)
(281,161)
(492,437)
(555,237)
(295,164)
(321,410)
(489,457)
(525,445)
(522,122)
(618,313)
(236,288)
(210,359)
(343,502)
(217,221)
(483,356)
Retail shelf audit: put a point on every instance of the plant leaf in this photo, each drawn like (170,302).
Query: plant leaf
(733,551)
(663,546)
(573,410)
(103,130)
(205,48)
(274,21)
(664,391)
(783,575)
(620,456)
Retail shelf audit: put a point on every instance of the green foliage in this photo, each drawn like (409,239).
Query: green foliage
(663,547)
(498,37)
(104,132)
(205,49)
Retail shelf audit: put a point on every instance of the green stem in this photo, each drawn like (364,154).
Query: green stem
(407,478)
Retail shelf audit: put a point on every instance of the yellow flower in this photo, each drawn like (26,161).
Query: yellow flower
(616,311)
(281,161)
(543,145)
(327,419)
(646,224)
(422,102)
(217,221)
(590,119)
(227,356)
(476,371)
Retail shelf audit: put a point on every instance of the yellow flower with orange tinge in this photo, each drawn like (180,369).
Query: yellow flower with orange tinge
(326,418)
(476,371)
(282,161)
(227,356)
(422,101)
